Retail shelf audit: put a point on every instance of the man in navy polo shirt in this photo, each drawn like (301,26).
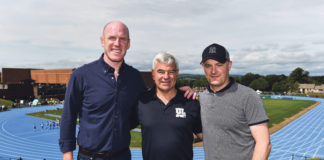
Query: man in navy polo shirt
(168,119)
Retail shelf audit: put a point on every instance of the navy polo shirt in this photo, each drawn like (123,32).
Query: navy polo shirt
(167,130)
(106,107)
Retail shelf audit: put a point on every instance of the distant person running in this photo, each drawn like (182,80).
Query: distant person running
(58,124)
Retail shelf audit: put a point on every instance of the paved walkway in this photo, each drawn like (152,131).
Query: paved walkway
(302,138)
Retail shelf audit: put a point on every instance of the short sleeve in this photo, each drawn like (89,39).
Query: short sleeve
(254,110)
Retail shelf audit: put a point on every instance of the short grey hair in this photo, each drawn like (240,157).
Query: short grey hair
(165,57)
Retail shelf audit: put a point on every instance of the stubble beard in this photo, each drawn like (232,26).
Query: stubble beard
(112,60)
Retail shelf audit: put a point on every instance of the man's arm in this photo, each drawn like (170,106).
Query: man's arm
(72,105)
(134,121)
(260,133)
(68,156)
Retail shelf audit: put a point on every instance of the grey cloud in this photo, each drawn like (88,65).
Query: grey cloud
(59,64)
(164,8)
(272,46)
(318,42)
(293,48)
(255,49)
(262,37)
(277,60)
(140,59)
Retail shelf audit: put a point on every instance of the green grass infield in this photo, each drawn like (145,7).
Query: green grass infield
(280,109)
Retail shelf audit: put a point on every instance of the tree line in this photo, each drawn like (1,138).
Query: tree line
(268,83)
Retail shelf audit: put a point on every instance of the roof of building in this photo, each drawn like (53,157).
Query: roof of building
(307,86)
(320,87)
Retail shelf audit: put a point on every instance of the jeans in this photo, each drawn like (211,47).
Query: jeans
(124,156)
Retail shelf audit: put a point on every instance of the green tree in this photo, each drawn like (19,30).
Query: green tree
(201,82)
(237,79)
(280,87)
(272,78)
(299,75)
(276,87)
(318,80)
(259,84)
(184,82)
(248,78)
(294,87)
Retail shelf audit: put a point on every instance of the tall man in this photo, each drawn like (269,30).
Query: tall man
(168,120)
(103,94)
(233,116)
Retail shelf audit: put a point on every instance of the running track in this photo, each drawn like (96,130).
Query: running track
(304,137)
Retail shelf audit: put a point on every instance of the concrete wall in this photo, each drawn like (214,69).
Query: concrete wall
(23,83)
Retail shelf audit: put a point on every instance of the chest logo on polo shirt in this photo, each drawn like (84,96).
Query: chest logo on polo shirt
(180,113)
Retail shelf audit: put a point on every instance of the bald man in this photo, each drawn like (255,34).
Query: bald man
(103,94)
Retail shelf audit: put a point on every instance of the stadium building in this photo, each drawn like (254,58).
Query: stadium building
(28,84)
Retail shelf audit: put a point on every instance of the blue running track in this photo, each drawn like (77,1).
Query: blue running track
(19,139)
(302,138)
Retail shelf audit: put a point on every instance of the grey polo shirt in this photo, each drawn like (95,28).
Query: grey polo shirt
(226,117)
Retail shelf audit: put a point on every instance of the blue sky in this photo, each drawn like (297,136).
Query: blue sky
(264,37)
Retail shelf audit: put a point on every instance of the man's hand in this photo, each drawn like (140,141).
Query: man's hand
(68,156)
(199,135)
(189,92)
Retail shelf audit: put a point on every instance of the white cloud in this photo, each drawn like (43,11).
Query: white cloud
(264,37)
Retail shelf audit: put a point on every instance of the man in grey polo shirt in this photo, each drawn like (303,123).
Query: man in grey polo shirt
(234,119)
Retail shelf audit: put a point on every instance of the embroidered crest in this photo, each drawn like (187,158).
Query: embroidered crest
(212,50)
